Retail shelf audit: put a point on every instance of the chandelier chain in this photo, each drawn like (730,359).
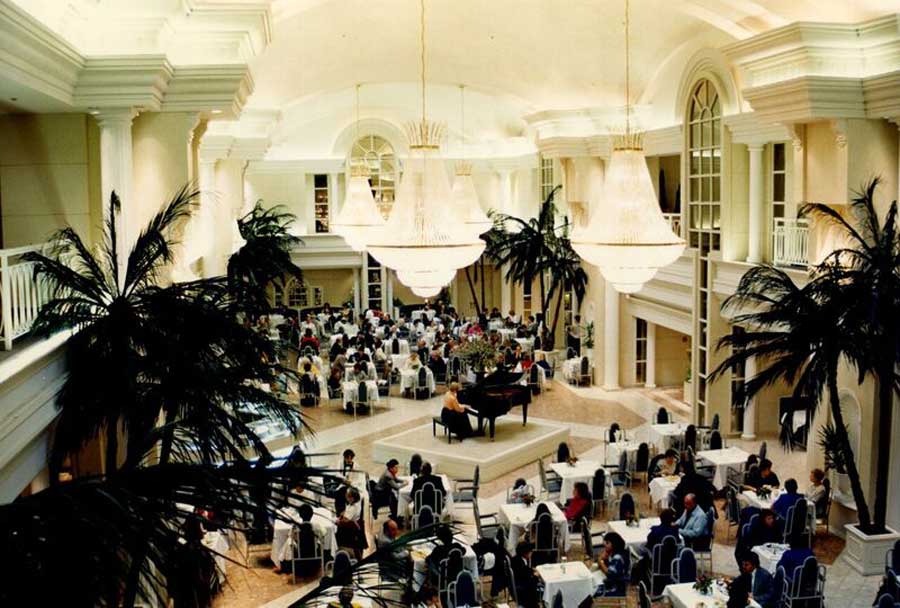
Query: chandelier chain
(627,73)
(462,121)
(422,58)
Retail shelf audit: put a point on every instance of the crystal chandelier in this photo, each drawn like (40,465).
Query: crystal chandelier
(424,232)
(464,194)
(627,237)
(359,215)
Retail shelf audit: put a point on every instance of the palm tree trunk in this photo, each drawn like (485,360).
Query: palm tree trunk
(543,296)
(862,508)
(559,299)
(165,451)
(133,582)
(482,280)
(884,416)
(472,291)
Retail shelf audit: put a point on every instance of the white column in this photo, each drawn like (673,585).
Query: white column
(756,223)
(506,292)
(364,282)
(749,432)
(117,170)
(611,338)
(506,198)
(333,195)
(356,307)
(650,381)
(389,290)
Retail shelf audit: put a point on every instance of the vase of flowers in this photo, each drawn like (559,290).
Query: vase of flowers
(704,584)
(478,355)
(633,520)
(764,492)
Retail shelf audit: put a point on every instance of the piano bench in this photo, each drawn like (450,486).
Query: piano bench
(435,421)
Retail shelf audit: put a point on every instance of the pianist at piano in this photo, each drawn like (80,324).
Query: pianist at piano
(454,415)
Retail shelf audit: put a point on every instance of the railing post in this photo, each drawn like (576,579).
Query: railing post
(5,305)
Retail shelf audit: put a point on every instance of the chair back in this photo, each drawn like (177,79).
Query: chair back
(690,437)
(806,579)
(715,440)
(562,452)
(796,519)
(570,353)
(823,507)
(395,346)
(778,583)
(643,596)
(885,601)
(763,449)
(715,422)
(662,416)
(463,592)
(663,554)
(537,344)
(307,385)
(533,376)
(558,599)
(429,496)
(362,392)
(542,473)
(684,567)
(653,467)
(543,533)
(511,578)
(585,367)
(626,505)
(598,484)
(424,517)
(733,507)
(500,536)
(415,464)
(641,459)
(305,543)
(613,429)
(893,557)
(449,568)
(587,541)
(476,478)
(341,569)
(423,378)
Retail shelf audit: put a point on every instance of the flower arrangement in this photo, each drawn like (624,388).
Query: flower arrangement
(527,500)
(478,354)
(764,492)
(704,584)
(633,519)
(571,460)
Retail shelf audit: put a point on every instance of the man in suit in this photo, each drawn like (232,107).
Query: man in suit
(758,580)
(529,586)
(693,521)
(426,476)
(387,487)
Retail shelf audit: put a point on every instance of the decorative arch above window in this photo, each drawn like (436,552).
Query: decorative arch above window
(378,155)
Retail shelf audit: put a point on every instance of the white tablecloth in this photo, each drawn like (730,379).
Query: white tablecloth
(722,459)
(517,517)
(769,555)
(323,525)
(661,489)
(322,384)
(683,595)
(527,344)
(614,452)
(405,497)
(760,503)
(418,314)
(573,579)
(409,377)
(351,391)
(218,544)
(582,470)
(664,435)
(420,552)
(634,536)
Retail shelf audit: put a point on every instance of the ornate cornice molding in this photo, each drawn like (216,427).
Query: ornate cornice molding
(747,128)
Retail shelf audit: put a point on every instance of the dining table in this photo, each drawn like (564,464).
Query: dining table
(573,579)
(722,459)
(518,516)
(683,595)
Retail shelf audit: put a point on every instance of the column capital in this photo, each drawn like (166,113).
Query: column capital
(756,147)
(113,117)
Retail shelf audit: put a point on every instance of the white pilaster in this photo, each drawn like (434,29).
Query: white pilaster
(749,432)
(756,223)
(650,381)
(364,282)
(506,188)
(506,293)
(356,307)
(611,338)
(200,234)
(389,290)
(333,195)
(117,170)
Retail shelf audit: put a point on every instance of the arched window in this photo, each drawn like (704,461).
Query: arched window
(378,155)
(704,171)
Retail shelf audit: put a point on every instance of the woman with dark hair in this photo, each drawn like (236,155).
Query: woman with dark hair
(580,504)
(614,564)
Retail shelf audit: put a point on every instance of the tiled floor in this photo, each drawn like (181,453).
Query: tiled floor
(588,413)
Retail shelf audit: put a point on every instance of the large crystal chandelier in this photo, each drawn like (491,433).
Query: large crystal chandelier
(464,194)
(425,232)
(627,237)
(359,216)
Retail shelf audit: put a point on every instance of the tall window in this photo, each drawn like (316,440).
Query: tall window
(378,156)
(704,145)
(526,300)
(320,196)
(738,376)
(640,352)
(301,295)
(547,178)
(779,181)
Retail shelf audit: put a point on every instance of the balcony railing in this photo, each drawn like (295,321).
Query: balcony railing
(21,296)
(790,242)
(674,220)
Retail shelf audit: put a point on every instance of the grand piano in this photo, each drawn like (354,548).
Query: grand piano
(495,395)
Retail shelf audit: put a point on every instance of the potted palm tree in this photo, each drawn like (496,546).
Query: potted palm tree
(539,250)
(846,313)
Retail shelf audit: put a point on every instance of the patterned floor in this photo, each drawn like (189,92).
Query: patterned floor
(588,413)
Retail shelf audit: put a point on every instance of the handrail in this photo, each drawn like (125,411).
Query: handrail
(21,294)
(790,241)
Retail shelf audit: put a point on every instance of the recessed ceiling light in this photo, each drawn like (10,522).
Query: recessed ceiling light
(215,111)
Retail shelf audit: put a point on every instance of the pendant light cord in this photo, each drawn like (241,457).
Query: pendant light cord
(462,121)
(357,112)
(422,58)
(627,74)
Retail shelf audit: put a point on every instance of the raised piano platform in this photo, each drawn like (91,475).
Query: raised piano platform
(514,446)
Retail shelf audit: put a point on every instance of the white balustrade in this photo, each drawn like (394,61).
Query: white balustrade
(674,220)
(790,242)
(21,295)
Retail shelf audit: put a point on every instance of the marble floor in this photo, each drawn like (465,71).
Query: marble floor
(587,412)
